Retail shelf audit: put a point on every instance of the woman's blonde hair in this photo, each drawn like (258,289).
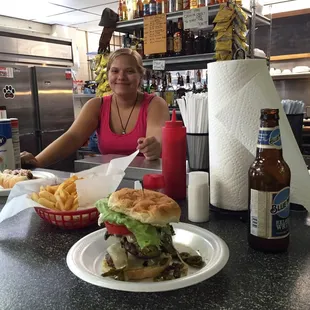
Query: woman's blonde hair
(127,51)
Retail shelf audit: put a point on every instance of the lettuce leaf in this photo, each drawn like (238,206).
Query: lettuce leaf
(145,234)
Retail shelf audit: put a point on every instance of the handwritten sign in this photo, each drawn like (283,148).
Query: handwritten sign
(196,18)
(159,65)
(155,34)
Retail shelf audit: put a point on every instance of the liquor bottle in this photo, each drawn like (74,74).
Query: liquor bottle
(127,41)
(120,10)
(152,7)
(170,44)
(201,3)
(179,5)
(165,6)
(153,86)
(178,38)
(181,91)
(188,82)
(135,9)
(140,43)
(200,43)
(198,81)
(125,11)
(170,86)
(189,44)
(164,86)
(269,189)
(193,4)
(139,8)
(172,6)
(146,7)
(159,7)
(186,4)
(205,87)
(134,41)
(194,90)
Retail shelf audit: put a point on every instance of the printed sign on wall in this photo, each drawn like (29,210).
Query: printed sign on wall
(9,92)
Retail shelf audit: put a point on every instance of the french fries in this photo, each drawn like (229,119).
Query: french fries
(62,197)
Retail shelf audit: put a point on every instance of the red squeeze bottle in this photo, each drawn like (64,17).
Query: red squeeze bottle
(174,158)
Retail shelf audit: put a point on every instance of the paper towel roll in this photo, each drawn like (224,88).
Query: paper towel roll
(238,90)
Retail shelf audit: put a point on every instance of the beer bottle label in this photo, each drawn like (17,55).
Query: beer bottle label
(269,138)
(269,213)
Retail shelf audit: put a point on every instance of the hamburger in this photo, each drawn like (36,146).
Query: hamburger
(139,222)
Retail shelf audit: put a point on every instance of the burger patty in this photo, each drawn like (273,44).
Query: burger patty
(109,260)
(133,248)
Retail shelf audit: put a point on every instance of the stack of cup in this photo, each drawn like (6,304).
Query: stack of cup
(198,196)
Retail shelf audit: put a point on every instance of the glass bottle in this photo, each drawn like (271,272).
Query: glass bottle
(139,8)
(120,10)
(146,7)
(189,44)
(125,11)
(200,43)
(140,43)
(159,7)
(152,7)
(170,43)
(178,38)
(269,189)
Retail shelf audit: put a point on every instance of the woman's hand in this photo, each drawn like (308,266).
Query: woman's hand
(149,147)
(28,159)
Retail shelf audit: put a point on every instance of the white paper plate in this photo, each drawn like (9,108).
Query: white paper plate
(4,192)
(85,257)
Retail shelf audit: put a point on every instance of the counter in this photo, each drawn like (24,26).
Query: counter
(34,274)
(136,170)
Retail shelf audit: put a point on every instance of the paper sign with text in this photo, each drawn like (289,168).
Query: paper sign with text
(159,65)
(155,34)
(196,18)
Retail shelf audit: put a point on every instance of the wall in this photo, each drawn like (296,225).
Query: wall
(78,37)
(79,46)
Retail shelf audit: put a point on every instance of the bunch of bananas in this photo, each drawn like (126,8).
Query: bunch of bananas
(103,88)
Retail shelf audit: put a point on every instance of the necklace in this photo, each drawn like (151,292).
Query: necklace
(119,115)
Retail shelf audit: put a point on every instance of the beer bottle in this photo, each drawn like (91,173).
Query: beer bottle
(269,189)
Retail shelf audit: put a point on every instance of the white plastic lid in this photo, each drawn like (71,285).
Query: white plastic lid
(198,178)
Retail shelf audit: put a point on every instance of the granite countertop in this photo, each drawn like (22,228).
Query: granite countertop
(34,274)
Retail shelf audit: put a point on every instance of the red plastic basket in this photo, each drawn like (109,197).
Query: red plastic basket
(69,219)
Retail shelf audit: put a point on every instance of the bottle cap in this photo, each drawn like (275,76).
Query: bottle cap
(153,181)
(174,122)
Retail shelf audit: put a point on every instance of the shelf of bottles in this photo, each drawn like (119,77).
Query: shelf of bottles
(185,62)
(128,26)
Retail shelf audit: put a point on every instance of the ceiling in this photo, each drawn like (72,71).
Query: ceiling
(82,14)
(85,14)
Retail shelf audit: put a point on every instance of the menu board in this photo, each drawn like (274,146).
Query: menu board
(155,34)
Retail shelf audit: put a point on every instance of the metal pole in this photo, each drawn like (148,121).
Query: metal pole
(253,26)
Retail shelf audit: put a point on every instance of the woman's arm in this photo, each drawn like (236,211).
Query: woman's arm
(84,125)
(158,114)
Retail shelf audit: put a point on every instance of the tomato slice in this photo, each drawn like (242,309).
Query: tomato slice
(115,229)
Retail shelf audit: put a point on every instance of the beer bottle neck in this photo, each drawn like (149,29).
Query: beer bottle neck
(269,140)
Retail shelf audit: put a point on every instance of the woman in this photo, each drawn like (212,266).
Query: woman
(125,121)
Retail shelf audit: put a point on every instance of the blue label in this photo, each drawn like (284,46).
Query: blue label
(269,138)
(280,211)
(5,129)
(2,140)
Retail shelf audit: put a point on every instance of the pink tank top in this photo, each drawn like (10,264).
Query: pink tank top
(112,143)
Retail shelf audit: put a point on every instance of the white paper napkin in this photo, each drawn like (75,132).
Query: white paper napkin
(98,183)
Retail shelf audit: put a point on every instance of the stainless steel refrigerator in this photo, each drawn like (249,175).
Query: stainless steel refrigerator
(41,99)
